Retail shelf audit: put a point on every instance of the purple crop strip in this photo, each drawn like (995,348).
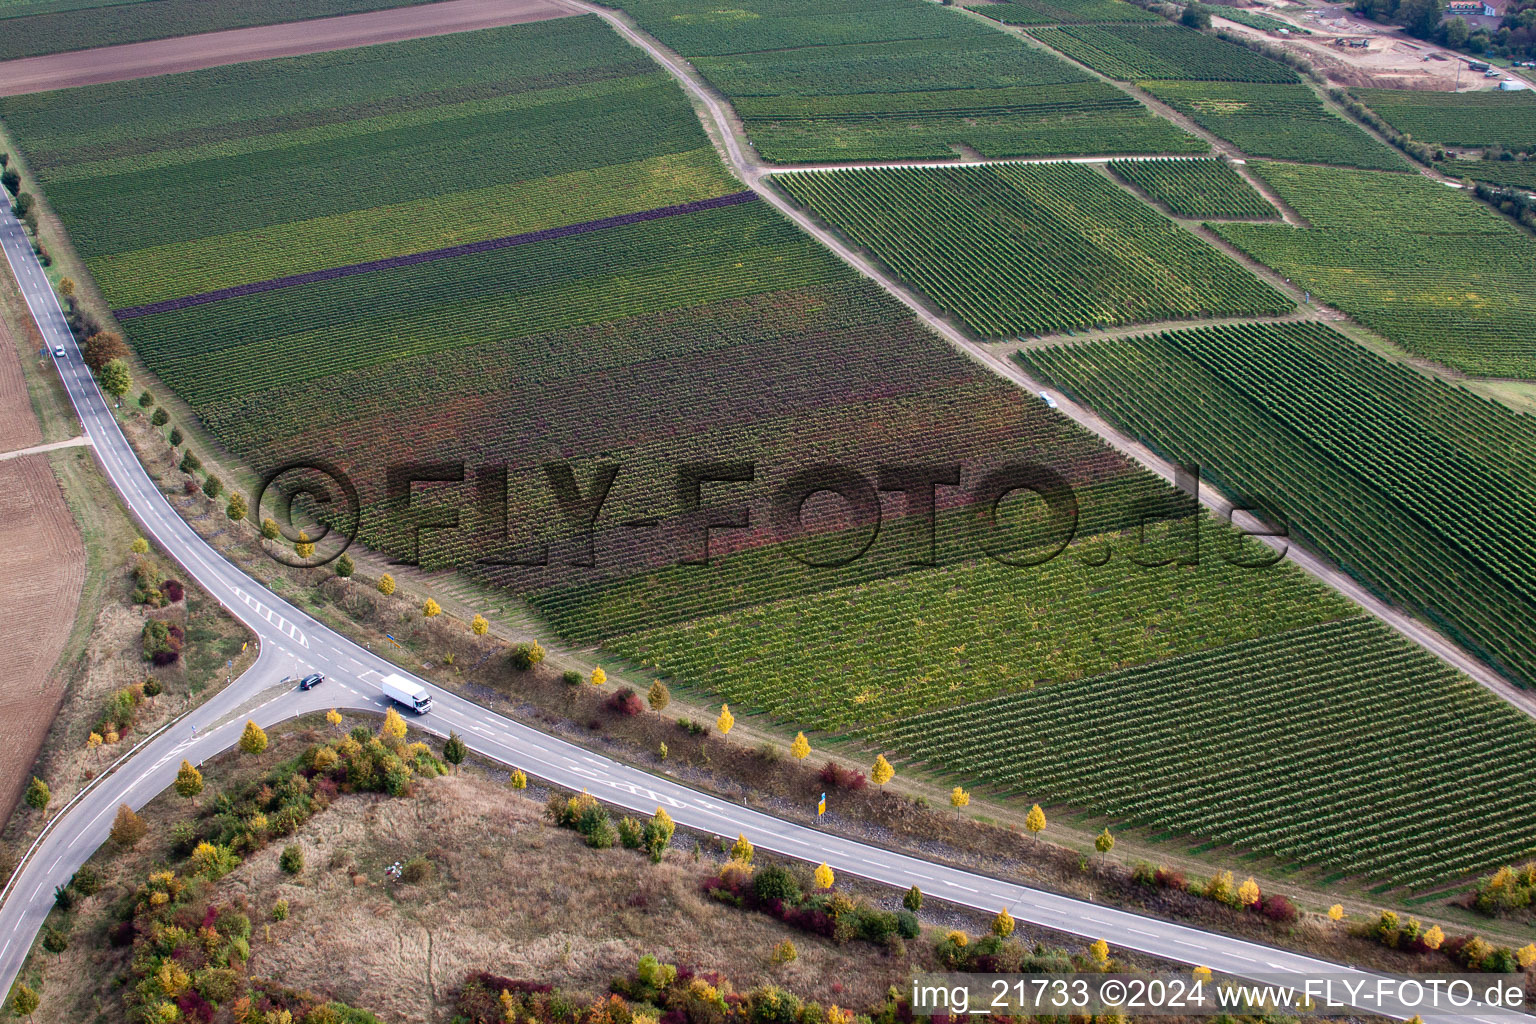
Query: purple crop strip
(467,249)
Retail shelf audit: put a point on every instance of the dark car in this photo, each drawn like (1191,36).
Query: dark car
(311,681)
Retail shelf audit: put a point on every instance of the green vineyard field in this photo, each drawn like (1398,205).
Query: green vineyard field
(1302,746)
(1486,119)
(1429,267)
(1519,173)
(1255,20)
(1419,489)
(898,79)
(1047,12)
(1286,122)
(1195,188)
(1135,52)
(1017,249)
(37,27)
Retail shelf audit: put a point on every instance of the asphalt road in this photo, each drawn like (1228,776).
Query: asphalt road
(293,643)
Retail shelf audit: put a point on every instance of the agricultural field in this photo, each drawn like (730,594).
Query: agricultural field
(1286,122)
(898,79)
(30,28)
(1135,52)
(708,330)
(1024,249)
(1253,19)
(1519,173)
(1304,745)
(192,182)
(1429,267)
(1066,12)
(1420,489)
(1207,189)
(1484,119)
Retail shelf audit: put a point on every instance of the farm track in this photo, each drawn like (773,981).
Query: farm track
(233,46)
(724,131)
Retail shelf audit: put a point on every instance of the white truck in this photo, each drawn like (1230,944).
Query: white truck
(402,691)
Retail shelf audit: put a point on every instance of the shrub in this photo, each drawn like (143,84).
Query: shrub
(173,590)
(1144,874)
(625,702)
(906,924)
(526,655)
(152,688)
(1278,908)
(55,940)
(571,677)
(291,860)
(417,870)
(1170,878)
(785,952)
(280,909)
(161,642)
(776,882)
(631,833)
(835,776)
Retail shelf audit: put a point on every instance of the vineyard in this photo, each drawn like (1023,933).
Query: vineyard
(34,27)
(1287,122)
(1421,490)
(1031,248)
(1429,267)
(1519,173)
(1328,745)
(1195,188)
(889,649)
(1485,119)
(1047,12)
(1136,52)
(187,183)
(897,79)
(1253,19)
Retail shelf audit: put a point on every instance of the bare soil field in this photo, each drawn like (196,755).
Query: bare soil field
(18,427)
(40,580)
(1390,60)
(189,53)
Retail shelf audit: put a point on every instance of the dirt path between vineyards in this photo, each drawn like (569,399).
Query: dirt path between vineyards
(210,49)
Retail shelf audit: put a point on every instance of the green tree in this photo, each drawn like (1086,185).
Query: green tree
(1456,33)
(291,860)
(345,567)
(24,203)
(659,696)
(38,794)
(270,531)
(236,509)
(253,740)
(454,750)
(160,417)
(1420,17)
(658,834)
(175,437)
(115,380)
(213,486)
(526,655)
(146,400)
(913,900)
(189,781)
(1196,16)
(24,1001)
(11,179)
(190,463)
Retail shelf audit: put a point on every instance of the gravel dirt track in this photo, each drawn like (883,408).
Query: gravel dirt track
(210,49)
(40,580)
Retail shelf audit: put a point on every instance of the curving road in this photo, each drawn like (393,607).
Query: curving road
(293,643)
